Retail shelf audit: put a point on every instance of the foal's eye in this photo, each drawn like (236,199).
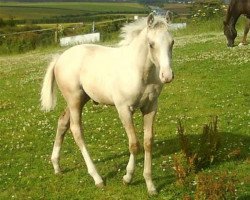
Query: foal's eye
(151,45)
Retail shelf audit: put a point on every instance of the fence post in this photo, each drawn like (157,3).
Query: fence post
(56,34)
(93,27)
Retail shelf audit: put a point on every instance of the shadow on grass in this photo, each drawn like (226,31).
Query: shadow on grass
(244,197)
(162,181)
(233,147)
(228,143)
(68,170)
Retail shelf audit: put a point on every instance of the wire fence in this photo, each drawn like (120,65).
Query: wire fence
(21,41)
(24,32)
(58,27)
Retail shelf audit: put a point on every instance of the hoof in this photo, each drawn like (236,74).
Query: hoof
(100,185)
(125,180)
(152,193)
(58,172)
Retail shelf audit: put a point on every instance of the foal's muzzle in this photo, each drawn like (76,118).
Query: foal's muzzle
(166,78)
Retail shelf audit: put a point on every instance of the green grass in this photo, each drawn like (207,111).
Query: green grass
(210,79)
(202,26)
(50,9)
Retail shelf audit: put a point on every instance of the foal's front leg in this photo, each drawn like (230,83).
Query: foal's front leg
(148,119)
(126,117)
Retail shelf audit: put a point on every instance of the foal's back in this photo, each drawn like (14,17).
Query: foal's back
(86,67)
(102,72)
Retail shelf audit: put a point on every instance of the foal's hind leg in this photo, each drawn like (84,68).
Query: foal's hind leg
(63,126)
(75,104)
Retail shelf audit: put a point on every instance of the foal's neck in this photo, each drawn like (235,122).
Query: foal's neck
(139,49)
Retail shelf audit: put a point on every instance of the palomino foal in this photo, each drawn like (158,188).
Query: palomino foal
(130,76)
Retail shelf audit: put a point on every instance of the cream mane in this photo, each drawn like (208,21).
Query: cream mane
(131,30)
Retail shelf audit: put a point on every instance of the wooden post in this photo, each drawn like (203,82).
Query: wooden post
(93,27)
(56,34)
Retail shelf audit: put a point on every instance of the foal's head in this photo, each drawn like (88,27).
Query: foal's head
(231,33)
(160,44)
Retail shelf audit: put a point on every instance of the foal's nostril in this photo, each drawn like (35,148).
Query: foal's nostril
(162,75)
(166,78)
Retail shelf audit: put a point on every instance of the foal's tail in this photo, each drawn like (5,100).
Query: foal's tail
(48,95)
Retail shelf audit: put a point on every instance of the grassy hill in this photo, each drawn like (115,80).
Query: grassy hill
(41,10)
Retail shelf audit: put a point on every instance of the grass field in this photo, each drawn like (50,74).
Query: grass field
(210,79)
(50,9)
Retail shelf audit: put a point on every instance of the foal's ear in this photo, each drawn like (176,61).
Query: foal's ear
(169,16)
(150,20)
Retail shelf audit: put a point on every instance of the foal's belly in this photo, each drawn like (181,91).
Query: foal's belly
(98,96)
(97,89)
(96,74)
